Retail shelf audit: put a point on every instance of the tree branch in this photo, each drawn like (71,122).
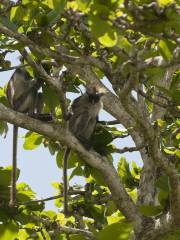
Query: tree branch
(57,133)
(59,56)
(53,81)
(53,227)
(13,68)
(152,100)
(52,198)
(130,149)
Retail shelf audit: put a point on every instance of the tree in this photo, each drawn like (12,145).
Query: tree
(135,46)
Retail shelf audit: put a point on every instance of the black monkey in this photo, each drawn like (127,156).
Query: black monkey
(82,123)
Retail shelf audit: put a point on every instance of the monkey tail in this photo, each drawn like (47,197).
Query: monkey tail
(65,178)
(14,167)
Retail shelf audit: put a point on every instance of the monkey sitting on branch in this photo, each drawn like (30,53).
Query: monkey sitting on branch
(22,94)
(82,122)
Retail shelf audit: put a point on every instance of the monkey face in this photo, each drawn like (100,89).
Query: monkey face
(94,98)
(94,93)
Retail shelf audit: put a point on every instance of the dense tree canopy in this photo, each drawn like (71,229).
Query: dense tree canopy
(133,45)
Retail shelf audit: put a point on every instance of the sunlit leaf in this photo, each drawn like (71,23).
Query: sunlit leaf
(165,49)
(177,152)
(32,140)
(8,231)
(163,3)
(5,175)
(103,31)
(169,151)
(116,231)
(50,214)
(83,5)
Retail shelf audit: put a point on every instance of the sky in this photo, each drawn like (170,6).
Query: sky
(38,167)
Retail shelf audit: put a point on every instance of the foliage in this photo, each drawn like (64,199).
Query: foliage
(133,44)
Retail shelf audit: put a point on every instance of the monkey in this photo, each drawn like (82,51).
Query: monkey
(22,94)
(81,123)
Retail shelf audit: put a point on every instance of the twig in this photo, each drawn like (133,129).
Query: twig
(9,6)
(14,67)
(53,82)
(131,149)
(152,100)
(74,192)
(54,227)
(113,122)
(42,234)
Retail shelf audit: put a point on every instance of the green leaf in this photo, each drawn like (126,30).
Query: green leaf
(50,214)
(56,185)
(177,152)
(162,183)
(175,94)
(165,49)
(5,176)
(135,170)
(111,208)
(61,237)
(32,140)
(51,102)
(163,198)
(83,5)
(8,231)
(56,4)
(19,13)
(73,160)
(103,31)
(149,211)
(116,231)
(169,151)
(58,8)
(77,237)
(22,234)
(154,74)
(97,175)
(178,136)
(7,23)
(25,193)
(125,174)
(163,3)
(124,44)
(3,127)
(78,171)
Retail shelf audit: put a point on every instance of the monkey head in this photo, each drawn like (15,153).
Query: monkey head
(95,93)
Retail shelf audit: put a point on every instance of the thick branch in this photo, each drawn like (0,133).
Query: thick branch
(160,231)
(55,132)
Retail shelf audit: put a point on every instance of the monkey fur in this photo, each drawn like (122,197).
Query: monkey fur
(82,123)
(22,94)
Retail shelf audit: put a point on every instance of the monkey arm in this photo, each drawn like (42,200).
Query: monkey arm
(76,106)
(82,126)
